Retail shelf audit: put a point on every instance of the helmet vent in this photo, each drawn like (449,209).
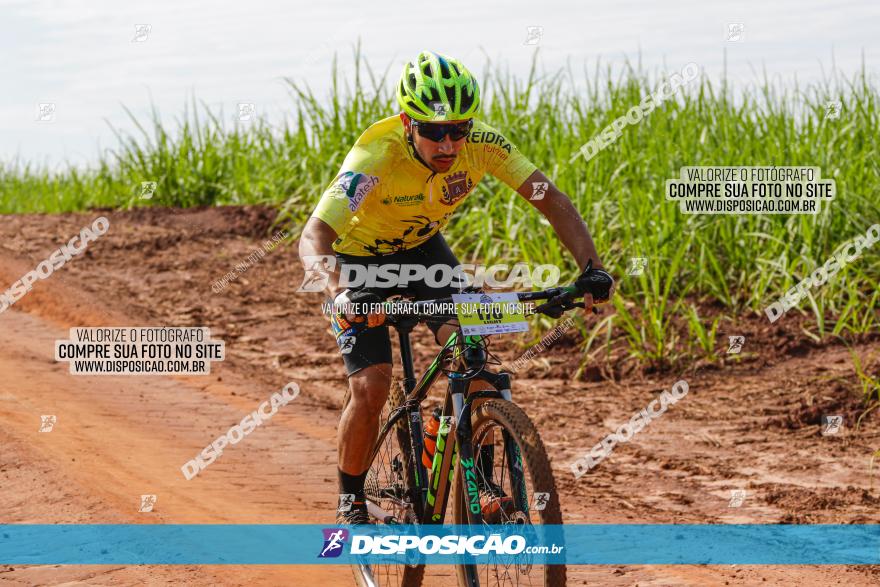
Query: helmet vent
(467,99)
(433,79)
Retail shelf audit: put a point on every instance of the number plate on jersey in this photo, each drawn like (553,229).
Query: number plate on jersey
(497,313)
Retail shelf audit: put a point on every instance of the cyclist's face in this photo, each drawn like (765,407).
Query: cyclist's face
(439,156)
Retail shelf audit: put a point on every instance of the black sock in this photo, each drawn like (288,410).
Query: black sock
(352,484)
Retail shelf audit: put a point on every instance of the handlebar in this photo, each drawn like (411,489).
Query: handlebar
(559,300)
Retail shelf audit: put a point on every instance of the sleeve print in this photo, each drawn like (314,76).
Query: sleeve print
(500,157)
(343,198)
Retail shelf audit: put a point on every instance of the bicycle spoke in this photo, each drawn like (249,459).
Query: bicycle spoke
(386,486)
(504,571)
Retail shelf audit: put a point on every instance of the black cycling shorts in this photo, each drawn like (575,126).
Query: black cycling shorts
(373,345)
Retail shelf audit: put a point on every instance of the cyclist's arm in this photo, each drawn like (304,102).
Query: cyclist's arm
(334,212)
(504,161)
(317,239)
(564,218)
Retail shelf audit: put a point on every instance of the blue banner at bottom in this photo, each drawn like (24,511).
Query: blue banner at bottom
(579,544)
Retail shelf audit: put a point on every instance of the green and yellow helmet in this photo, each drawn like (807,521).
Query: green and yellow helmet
(434,87)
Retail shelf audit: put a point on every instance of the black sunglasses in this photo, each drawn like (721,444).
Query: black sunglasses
(436,132)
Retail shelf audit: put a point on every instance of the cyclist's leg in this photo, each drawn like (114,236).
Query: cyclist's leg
(367,357)
(368,363)
(369,367)
(359,423)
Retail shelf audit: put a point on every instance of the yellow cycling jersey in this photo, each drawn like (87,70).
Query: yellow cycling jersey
(384,200)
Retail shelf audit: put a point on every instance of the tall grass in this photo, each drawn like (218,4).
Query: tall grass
(741,262)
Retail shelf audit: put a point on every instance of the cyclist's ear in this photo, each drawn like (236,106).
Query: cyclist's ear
(407,121)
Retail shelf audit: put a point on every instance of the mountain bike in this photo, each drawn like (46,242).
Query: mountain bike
(483,437)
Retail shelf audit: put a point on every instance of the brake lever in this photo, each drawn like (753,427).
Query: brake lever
(556,306)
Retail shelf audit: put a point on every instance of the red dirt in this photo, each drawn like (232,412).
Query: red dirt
(752,423)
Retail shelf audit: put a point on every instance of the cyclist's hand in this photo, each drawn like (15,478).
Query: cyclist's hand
(597,284)
(355,307)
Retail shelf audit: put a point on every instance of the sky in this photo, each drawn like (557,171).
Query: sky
(92,60)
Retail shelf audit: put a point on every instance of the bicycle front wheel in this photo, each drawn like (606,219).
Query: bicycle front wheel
(391,486)
(510,456)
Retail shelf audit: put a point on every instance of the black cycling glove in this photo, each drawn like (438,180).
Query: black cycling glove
(597,282)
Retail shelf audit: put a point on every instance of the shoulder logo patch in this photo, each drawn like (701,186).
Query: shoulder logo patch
(356,186)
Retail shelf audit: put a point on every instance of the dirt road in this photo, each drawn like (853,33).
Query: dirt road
(753,425)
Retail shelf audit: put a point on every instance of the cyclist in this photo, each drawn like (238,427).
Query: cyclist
(396,190)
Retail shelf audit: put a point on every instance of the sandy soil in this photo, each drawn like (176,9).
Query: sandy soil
(753,424)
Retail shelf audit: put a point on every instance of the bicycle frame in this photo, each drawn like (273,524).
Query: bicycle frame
(431,494)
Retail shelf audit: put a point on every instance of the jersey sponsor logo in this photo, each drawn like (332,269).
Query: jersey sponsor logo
(496,151)
(412,200)
(458,185)
(356,186)
(489,138)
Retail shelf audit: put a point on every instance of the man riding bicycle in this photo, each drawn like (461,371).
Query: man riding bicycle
(397,188)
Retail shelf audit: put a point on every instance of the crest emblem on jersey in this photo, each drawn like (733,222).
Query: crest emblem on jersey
(457,186)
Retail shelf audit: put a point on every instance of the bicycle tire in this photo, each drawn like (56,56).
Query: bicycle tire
(412,576)
(522,431)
